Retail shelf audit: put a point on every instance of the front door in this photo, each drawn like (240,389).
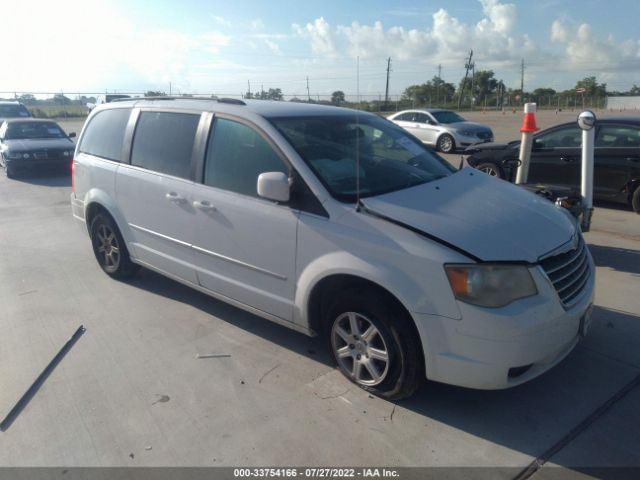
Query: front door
(245,246)
(555,157)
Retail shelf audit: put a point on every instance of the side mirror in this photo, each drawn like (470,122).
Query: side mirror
(274,186)
(72,135)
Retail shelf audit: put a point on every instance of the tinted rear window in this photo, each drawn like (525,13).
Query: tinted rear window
(105,134)
(10,111)
(163,142)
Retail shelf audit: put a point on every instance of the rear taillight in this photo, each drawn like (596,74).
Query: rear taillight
(73,176)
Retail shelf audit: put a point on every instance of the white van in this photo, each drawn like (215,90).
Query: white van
(339,223)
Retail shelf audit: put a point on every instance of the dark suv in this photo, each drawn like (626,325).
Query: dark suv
(556,154)
(10,109)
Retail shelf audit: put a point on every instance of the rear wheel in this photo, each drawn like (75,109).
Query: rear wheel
(374,345)
(491,169)
(109,248)
(635,200)
(446,143)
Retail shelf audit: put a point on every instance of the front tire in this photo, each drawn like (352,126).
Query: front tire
(446,143)
(374,344)
(9,171)
(635,200)
(109,248)
(491,169)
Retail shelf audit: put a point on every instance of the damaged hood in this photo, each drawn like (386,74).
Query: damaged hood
(489,218)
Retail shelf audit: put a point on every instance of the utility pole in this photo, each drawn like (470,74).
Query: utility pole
(249,88)
(522,81)
(308,95)
(386,92)
(438,84)
(468,66)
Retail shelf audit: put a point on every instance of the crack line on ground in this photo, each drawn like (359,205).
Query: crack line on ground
(268,372)
(539,462)
(609,357)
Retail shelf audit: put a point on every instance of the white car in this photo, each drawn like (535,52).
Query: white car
(445,130)
(337,223)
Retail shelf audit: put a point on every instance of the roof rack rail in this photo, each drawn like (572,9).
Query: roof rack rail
(232,101)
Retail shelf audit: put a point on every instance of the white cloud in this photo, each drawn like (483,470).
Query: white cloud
(559,32)
(582,51)
(494,38)
(221,21)
(273,46)
(321,36)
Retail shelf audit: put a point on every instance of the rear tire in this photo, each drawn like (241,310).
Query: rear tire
(635,200)
(374,344)
(110,249)
(491,169)
(446,143)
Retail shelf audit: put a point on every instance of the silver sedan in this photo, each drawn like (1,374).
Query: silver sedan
(444,129)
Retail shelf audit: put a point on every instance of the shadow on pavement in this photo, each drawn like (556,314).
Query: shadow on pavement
(314,348)
(531,418)
(52,178)
(620,259)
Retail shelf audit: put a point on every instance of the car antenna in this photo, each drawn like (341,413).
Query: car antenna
(358,203)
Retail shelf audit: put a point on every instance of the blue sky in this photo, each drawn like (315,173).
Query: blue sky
(219,46)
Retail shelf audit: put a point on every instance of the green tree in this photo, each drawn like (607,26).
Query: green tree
(274,94)
(337,97)
(60,99)
(435,90)
(592,87)
(27,99)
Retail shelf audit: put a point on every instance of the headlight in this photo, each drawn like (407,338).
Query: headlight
(16,155)
(490,285)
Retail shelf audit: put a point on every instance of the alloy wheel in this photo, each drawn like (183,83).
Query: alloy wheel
(360,349)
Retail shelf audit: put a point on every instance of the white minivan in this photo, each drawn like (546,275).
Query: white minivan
(339,223)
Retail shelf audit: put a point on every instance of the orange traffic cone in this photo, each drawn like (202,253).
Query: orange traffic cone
(529,123)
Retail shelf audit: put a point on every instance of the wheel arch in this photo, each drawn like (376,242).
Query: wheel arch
(97,201)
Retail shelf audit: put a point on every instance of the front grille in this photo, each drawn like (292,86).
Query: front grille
(484,135)
(568,272)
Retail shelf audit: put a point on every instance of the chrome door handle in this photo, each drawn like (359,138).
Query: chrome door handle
(174,197)
(204,205)
(568,159)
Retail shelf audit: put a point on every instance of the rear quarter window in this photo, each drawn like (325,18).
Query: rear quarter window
(104,135)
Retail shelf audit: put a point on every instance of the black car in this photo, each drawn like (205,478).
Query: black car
(34,143)
(556,159)
(11,109)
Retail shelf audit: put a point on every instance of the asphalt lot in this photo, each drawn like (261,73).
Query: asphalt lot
(131,392)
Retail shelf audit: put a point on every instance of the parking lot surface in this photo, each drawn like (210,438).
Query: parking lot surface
(131,391)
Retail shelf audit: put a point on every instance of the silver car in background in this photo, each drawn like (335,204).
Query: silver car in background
(444,129)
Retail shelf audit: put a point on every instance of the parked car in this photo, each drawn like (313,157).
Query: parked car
(556,159)
(108,98)
(34,144)
(9,109)
(337,223)
(444,129)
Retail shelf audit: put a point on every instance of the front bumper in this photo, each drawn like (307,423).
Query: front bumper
(500,348)
(467,141)
(33,163)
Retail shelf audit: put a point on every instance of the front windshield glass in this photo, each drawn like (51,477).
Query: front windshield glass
(22,130)
(447,117)
(389,159)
